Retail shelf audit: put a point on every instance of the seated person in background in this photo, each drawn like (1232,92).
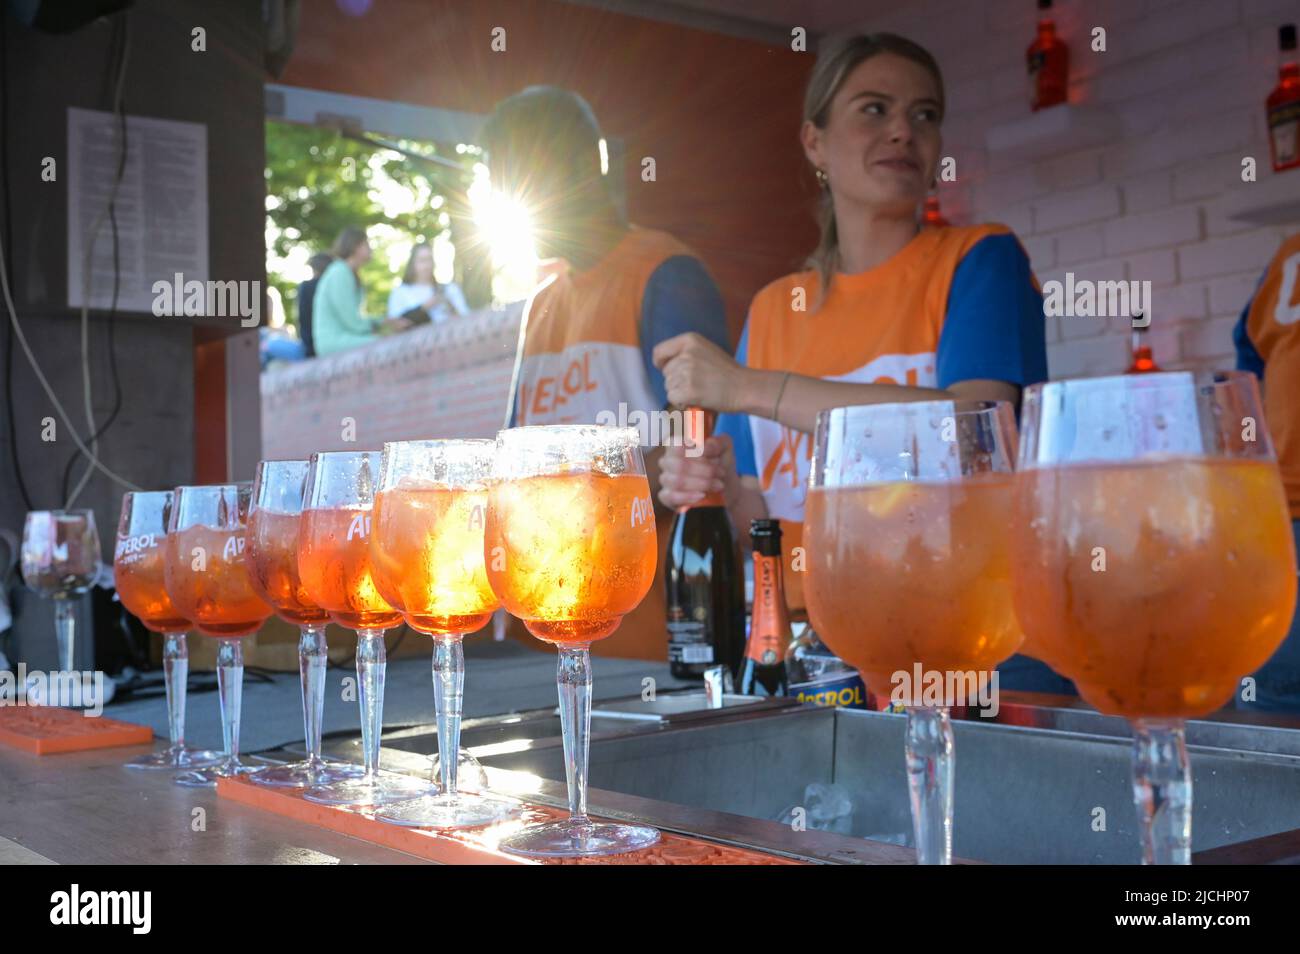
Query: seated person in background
(419,298)
(1268,343)
(306,291)
(337,320)
(885,311)
(613,293)
(276,340)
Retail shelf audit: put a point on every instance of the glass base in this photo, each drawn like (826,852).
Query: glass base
(462,810)
(177,758)
(470,774)
(579,839)
(369,792)
(207,777)
(307,774)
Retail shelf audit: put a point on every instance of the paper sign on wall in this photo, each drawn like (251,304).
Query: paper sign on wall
(161,207)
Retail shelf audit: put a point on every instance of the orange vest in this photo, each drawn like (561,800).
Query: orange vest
(1273,324)
(582,360)
(879,326)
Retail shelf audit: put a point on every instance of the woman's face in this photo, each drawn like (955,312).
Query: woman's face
(881,144)
(424,266)
(361,255)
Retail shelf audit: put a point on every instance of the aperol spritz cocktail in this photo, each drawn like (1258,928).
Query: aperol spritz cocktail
(139,564)
(908,571)
(1153,560)
(271,550)
(426,548)
(578,551)
(334,563)
(871,581)
(208,582)
(1194,549)
(571,549)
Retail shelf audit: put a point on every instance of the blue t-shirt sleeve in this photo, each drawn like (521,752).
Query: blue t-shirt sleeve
(1248,357)
(736,426)
(679,297)
(994,327)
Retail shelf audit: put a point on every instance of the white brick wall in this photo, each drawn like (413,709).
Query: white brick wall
(1186,80)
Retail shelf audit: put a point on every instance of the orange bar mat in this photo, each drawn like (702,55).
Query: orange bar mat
(47,730)
(478,846)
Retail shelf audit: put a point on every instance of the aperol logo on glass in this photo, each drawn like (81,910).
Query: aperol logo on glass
(643,511)
(234,548)
(359,526)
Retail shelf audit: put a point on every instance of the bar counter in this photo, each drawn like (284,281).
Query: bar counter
(720,784)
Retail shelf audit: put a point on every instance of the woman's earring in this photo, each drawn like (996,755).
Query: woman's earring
(822,178)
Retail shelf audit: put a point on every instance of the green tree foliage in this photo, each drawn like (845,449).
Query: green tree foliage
(319,182)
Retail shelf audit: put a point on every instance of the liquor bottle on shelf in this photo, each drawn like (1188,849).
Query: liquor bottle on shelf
(931,216)
(705,581)
(763,668)
(1142,360)
(1284,105)
(818,676)
(1049,63)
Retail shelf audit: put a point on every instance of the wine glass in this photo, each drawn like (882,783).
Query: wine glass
(571,549)
(139,560)
(1153,560)
(208,582)
(60,559)
(905,527)
(426,552)
(271,551)
(334,564)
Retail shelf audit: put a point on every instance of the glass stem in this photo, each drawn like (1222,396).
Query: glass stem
(372,665)
(573,680)
(311,668)
(176,675)
(1162,792)
(65,624)
(448,697)
(929,779)
(230,686)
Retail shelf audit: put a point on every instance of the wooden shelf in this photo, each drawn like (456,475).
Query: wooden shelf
(1274,199)
(1052,131)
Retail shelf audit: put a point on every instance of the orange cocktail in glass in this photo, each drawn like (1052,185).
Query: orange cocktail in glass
(578,551)
(426,548)
(139,564)
(1153,560)
(334,563)
(571,549)
(872,576)
(1198,556)
(271,551)
(908,576)
(208,583)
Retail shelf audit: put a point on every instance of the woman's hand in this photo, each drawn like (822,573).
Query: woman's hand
(684,480)
(697,373)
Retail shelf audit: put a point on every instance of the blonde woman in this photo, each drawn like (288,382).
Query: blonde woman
(885,311)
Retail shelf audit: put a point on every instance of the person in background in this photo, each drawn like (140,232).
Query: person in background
(613,293)
(1268,344)
(337,319)
(306,291)
(276,341)
(884,312)
(419,298)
